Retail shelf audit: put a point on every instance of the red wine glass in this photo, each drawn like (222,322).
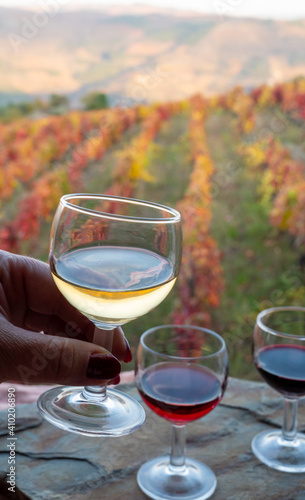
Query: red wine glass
(114,259)
(279,356)
(181,374)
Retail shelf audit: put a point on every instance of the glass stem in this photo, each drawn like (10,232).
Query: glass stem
(96,393)
(177,454)
(104,337)
(290,422)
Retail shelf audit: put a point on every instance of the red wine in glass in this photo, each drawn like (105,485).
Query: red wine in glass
(181,374)
(283,368)
(279,356)
(180,393)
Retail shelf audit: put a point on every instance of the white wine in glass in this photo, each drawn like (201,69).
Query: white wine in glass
(114,259)
(133,281)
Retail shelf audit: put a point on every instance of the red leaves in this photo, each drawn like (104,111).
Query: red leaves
(30,153)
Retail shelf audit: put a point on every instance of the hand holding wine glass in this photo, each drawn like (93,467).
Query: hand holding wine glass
(30,304)
(279,356)
(114,259)
(181,374)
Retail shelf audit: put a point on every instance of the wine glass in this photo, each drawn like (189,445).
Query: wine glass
(181,374)
(279,356)
(114,259)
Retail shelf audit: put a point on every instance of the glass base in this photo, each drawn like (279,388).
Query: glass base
(66,407)
(160,481)
(278,453)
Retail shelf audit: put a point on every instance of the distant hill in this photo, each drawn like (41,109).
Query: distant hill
(138,54)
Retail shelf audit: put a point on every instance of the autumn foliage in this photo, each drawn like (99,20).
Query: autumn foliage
(42,159)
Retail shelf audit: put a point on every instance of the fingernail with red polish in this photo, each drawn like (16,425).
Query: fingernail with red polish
(103,367)
(128,356)
(116,380)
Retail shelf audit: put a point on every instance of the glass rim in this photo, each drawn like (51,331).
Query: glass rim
(184,358)
(174,214)
(271,310)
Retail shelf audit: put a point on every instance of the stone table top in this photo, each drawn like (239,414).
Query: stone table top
(52,464)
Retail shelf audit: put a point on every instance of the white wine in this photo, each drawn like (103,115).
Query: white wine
(113,285)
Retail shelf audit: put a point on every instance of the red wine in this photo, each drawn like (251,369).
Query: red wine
(283,368)
(180,393)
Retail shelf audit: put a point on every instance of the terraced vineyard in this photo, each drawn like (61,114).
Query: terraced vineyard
(233,165)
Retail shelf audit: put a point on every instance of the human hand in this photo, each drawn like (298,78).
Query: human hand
(30,304)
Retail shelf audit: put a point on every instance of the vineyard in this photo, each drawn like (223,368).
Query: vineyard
(233,165)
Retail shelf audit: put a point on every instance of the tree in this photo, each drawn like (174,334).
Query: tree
(95,100)
(58,104)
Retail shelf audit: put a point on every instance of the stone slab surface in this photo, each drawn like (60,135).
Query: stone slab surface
(52,464)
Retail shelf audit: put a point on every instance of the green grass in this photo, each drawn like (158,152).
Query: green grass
(169,164)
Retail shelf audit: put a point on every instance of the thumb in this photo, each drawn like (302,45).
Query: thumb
(35,358)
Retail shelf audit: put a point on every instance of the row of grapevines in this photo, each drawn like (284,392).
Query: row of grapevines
(30,147)
(241,104)
(103,130)
(44,191)
(282,184)
(282,178)
(289,96)
(132,160)
(200,281)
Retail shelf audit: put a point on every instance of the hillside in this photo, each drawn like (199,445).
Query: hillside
(143,54)
(234,166)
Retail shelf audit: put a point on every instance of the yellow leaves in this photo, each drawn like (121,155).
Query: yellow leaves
(2,180)
(138,170)
(248,124)
(47,152)
(199,188)
(184,105)
(266,188)
(132,161)
(204,164)
(75,119)
(198,116)
(94,148)
(266,97)
(288,210)
(254,154)
(145,111)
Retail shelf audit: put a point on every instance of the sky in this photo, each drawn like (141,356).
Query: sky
(274,9)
